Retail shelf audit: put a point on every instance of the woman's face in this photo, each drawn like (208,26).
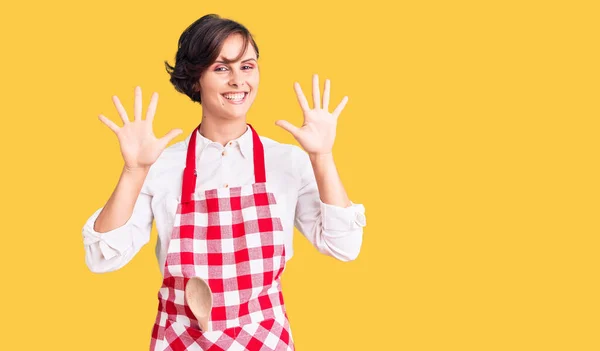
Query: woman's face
(228,89)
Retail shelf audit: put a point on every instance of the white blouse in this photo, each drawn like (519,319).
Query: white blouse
(333,230)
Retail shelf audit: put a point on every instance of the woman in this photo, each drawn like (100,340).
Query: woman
(225,200)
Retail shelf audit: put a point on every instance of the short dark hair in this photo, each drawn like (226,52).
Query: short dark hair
(199,47)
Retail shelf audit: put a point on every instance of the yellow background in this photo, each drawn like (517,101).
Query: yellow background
(471,136)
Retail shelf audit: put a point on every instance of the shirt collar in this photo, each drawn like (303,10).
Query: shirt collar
(244,142)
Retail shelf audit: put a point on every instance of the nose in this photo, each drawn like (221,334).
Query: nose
(236,79)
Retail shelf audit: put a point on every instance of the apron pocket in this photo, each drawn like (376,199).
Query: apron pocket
(274,333)
(180,337)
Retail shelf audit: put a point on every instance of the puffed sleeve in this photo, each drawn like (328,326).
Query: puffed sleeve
(333,230)
(109,251)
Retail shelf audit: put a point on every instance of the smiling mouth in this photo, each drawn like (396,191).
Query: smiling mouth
(235,98)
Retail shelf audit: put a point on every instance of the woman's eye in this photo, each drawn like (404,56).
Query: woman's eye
(221,69)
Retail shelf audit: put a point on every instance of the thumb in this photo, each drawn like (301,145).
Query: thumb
(170,136)
(288,126)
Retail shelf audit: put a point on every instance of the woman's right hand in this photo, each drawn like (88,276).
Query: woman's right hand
(139,147)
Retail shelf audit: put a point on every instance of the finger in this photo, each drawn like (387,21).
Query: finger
(137,104)
(152,107)
(120,109)
(170,136)
(109,123)
(301,98)
(326,95)
(316,92)
(288,126)
(340,107)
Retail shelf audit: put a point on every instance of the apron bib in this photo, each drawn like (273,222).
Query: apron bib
(233,239)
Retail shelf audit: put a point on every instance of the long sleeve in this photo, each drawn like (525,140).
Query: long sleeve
(333,230)
(109,251)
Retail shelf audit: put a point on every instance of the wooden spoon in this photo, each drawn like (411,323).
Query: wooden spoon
(199,297)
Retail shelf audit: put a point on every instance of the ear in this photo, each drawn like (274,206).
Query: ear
(196,89)
(197,86)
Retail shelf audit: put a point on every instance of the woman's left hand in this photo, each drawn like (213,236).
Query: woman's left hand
(317,134)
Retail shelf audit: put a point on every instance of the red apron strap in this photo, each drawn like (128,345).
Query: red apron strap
(190,172)
(259,158)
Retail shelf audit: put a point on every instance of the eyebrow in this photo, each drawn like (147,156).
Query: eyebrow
(226,60)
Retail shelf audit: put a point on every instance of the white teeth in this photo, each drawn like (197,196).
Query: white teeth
(234,97)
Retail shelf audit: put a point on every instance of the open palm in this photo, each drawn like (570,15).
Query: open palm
(317,133)
(139,147)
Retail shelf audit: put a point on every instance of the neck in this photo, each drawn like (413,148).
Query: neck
(222,131)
